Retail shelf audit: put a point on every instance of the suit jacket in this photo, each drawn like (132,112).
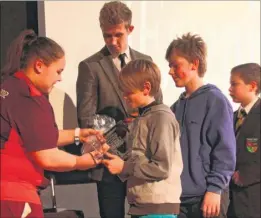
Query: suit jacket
(98,92)
(246,199)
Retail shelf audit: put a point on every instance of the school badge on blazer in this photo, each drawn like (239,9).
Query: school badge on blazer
(252,144)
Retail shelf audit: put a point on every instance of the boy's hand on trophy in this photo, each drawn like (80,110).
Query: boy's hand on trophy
(113,163)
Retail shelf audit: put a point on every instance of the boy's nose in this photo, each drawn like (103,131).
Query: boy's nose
(171,71)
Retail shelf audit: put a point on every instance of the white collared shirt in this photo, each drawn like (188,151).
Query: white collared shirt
(249,106)
(117,61)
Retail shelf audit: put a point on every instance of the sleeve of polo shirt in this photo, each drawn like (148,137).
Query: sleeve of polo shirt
(36,125)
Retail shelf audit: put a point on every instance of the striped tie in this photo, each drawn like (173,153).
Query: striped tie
(240,119)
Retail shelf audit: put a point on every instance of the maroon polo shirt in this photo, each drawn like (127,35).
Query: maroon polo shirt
(27,125)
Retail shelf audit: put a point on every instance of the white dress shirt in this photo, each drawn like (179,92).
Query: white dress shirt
(117,61)
(249,106)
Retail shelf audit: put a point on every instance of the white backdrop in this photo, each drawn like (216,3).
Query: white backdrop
(231,30)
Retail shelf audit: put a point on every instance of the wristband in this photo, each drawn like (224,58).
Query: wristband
(77,136)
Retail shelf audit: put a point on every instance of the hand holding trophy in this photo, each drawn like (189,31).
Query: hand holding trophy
(95,146)
(113,134)
(93,143)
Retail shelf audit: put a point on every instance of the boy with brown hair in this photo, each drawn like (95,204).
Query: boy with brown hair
(207,137)
(154,163)
(98,93)
(245,183)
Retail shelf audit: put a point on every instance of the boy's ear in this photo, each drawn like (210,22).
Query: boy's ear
(146,88)
(130,29)
(253,86)
(195,64)
(38,66)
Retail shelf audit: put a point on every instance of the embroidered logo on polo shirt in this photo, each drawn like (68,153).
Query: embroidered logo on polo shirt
(252,144)
(4,93)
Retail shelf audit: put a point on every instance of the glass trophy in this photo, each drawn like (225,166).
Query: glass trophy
(114,134)
(100,122)
(92,144)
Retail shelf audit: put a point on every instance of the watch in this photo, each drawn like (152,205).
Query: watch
(77,136)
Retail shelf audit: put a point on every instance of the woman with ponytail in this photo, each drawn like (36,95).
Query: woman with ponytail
(29,136)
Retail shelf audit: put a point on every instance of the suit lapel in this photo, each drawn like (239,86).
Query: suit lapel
(253,116)
(135,55)
(112,74)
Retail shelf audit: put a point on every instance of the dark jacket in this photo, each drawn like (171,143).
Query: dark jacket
(246,198)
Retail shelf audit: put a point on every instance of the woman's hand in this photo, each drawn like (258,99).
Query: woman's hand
(85,133)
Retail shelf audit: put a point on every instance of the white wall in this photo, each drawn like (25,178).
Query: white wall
(231,30)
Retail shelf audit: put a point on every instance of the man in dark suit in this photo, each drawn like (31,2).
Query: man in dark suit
(245,183)
(98,93)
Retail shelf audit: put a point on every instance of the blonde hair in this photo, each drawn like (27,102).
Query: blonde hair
(133,76)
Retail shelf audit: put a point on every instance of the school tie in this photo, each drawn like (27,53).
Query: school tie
(240,119)
(122,59)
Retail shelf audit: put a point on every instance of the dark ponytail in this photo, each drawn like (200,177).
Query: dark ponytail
(28,46)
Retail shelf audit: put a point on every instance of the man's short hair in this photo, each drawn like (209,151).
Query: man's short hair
(191,47)
(248,72)
(133,76)
(114,13)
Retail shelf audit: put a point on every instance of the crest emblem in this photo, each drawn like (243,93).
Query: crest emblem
(252,144)
(4,93)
